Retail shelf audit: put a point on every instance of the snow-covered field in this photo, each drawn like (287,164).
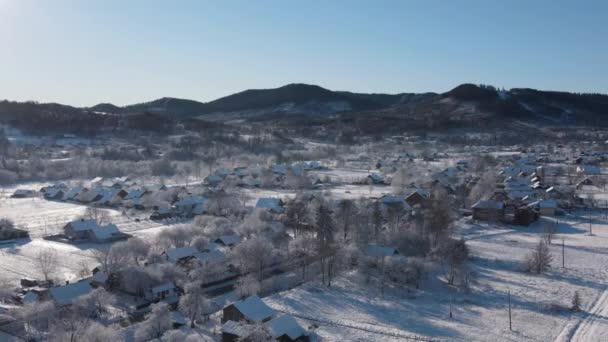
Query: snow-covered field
(42,218)
(352,310)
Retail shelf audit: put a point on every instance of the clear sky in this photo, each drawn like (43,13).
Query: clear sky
(83,52)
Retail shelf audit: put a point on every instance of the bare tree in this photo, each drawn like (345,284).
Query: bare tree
(46,260)
(101,216)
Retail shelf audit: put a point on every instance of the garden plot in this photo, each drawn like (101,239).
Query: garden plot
(354,310)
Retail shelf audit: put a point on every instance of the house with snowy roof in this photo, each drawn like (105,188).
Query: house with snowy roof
(191,205)
(180,254)
(283,329)
(54,193)
(210,257)
(488,210)
(162,292)
(274,205)
(286,329)
(67,294)
(22,193)
(71,194)
(375,178)
(417,197)
(251,309)
(90,231)
(228,240)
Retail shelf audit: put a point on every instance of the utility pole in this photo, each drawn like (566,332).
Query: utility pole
(510,322)
(563,255)
(451,303)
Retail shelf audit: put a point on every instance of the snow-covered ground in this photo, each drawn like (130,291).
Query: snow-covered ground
(352,310)
(42,218)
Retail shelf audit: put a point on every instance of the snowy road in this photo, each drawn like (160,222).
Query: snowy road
(593,327)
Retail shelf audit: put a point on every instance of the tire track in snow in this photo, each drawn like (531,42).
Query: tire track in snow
(591,327)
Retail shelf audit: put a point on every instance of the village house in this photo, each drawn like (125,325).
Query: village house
(251,310)
(54,193)
(545,207)
(67,294)
(417,197)
(90,231)
(181,254)
(283,329)
(191,205)
(375,178)
(488,210)
(163,292)
(228,240)
(23,193)
(286,329)
(274,205)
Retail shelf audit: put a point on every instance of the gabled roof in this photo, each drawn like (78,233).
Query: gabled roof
(105,232)
(237,329)
(420,192)
(228,240)
(73,192)
(254,309)
(82,225)
(211,256)
(191,201)
(134,194)
(67,294)
(285,325)
(376,178)
(280,168)
(488,205)
(176,254)
(269,203)
(100,232)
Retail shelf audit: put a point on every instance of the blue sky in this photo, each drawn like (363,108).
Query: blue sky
(83,52)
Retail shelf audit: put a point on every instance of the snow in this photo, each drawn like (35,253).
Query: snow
(379,251)
(67,294)
(285,325)
(353,310)
(176,254)
(254,309)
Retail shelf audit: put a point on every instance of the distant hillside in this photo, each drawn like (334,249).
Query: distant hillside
(467,105)
(44,118)
(289,99)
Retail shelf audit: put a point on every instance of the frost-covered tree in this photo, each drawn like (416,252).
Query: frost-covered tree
(345,214)
(576,302)
(454,256)
(194,303)
(157,323)
(253,255)
(301,249)
(248,285)
(539,260)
